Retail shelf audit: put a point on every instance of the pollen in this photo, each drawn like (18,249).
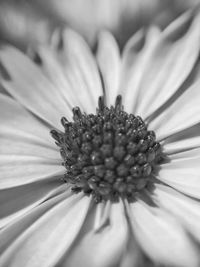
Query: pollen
(110,154)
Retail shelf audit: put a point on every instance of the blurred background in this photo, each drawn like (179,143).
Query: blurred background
(24,22)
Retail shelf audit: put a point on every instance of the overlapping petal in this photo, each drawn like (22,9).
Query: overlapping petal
(184,208)
(30,87)
(177,46)
(51,232)
(162,237)
(108,58)
(81,70)
(107,243)
(27,154)
(135,57)
(182,173)
(182,114)
(17,201)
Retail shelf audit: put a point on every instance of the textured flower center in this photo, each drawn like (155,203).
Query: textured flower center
(109,154)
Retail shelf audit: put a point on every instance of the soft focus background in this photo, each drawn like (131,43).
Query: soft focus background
(31,21)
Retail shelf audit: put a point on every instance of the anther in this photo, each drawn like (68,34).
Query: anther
(118,103)
(76,113)
(101,104)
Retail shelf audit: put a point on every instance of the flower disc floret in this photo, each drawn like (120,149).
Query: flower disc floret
(109,154)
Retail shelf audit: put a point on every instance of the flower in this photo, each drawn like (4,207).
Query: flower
(43,222)
(23,23)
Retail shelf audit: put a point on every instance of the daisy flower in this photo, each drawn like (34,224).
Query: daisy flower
(116,183)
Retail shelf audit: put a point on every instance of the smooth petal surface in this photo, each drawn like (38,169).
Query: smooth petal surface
(19,200)
(171,62)
(17,122)
(182,173)
(24,142)
(19,225)
(182,114)
(102,215)
(185,155)
(54,72)
(135,56)
(30,87)
(184,208)
(133,255)
(46,240)
(108,58)
(161,237)
(81,70)
(181,145)
(107,244)
(13,142)
(17,170)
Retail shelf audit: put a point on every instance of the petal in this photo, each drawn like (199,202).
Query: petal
(162,237)
(108,58)
(133,256)
(183,174)
(30,87)
(17,143)
(134,60)
(181,145)
(19,200)
(16,122)
(182,114)
(23,138)
(183,155)
(55,227)
(81,70)
(17,170)
(102,215)
(19,225)
(106,245)
(54,72)
(184,208)
(171,62)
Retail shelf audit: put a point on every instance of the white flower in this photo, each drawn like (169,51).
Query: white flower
(42,222)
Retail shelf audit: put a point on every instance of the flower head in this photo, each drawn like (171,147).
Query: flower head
(121,185)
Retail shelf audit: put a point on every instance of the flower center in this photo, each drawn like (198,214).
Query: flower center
(109,154)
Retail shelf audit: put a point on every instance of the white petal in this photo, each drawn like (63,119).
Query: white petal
(16,122)
(102,215)
(182,114)
(81,70)
(182,174)
(162,237)
(17,170)
(46,240)
(24,142)
(15,143)
(133,255)
(19,200)
(171,62)
(183,155)
(53,70)
(181,145)
(30,87)
(182,207)
(134,59)
(108,57)
(18,226)
(106,245)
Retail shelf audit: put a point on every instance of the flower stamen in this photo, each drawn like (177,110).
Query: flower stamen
(109,154)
